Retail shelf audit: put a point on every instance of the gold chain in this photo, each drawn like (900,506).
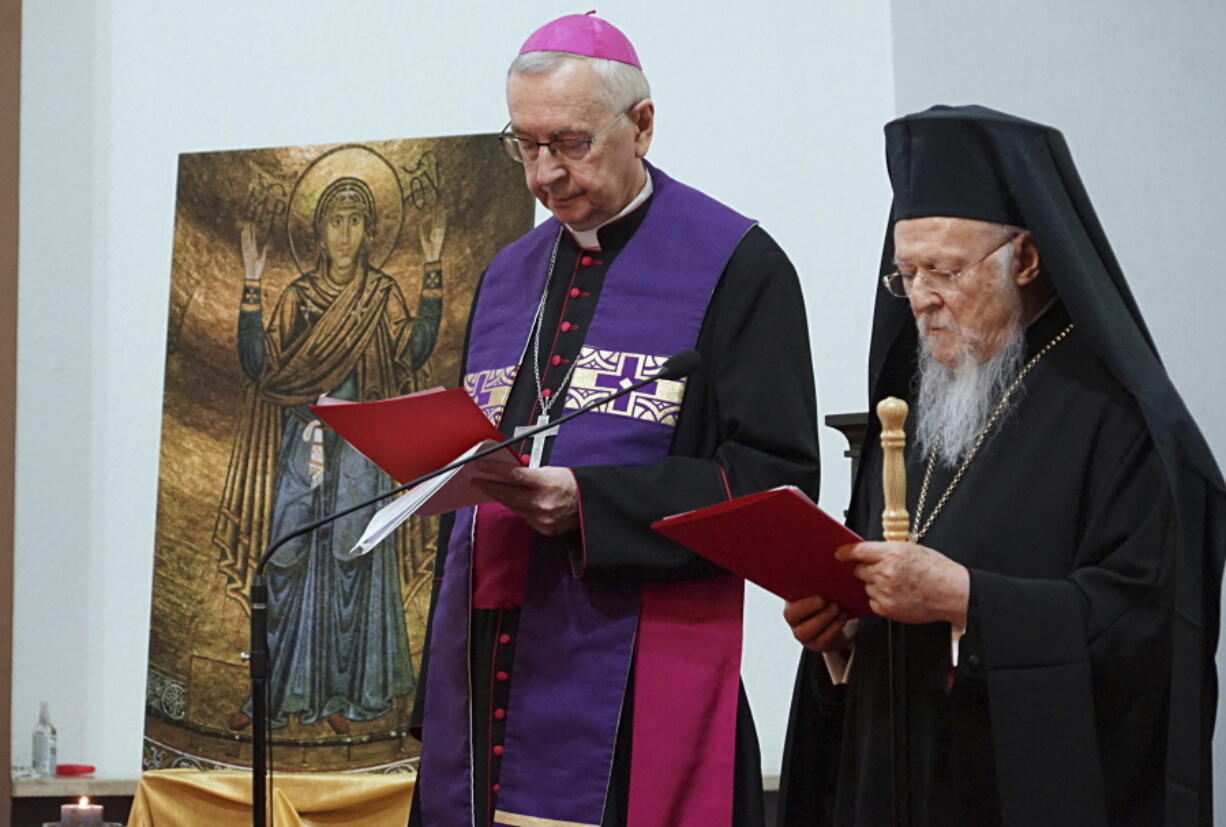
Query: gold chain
(979,440)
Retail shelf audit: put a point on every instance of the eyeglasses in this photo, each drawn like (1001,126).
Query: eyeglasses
(899,283)
(526,150)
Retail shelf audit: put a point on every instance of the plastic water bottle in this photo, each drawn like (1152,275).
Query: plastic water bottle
(43,757)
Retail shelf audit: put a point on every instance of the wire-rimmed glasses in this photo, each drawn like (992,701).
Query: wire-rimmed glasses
(899,283)
(526,150)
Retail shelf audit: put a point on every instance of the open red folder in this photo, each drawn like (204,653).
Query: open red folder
(778,539)
(412,435)
(408,436)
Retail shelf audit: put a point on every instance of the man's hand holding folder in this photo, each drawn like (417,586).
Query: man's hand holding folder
(819,624)
(547,497)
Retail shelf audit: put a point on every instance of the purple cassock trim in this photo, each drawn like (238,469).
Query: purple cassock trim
(576,638)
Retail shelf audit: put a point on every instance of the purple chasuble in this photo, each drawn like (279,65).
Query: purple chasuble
(576,637)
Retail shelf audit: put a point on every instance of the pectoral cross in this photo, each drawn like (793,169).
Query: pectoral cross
(538,440)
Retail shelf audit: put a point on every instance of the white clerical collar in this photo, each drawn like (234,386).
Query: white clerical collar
(589,240)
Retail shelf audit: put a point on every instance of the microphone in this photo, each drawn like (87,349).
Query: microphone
(680,365)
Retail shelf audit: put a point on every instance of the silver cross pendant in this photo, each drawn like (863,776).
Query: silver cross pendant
(538,440)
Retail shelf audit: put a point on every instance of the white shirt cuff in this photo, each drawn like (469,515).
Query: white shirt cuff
(838,664)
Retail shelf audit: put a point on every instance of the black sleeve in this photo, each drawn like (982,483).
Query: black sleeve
(428,319)
(251,343)
(1083,663)
(748,423)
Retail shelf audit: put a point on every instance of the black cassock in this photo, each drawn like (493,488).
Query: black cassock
(1058,704)
(750,410)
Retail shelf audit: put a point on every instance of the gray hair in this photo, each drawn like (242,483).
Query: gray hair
(622,85)
(1004,262)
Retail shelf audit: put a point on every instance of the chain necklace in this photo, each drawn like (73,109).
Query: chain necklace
(919,527)
(546,402)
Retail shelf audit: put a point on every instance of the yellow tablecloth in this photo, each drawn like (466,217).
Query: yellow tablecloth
(185,798)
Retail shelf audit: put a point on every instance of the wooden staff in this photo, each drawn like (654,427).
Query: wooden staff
(895,522)
(895,526)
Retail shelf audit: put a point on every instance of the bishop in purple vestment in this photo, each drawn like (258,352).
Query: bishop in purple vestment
(581,669)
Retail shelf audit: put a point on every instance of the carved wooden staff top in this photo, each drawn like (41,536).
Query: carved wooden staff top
(895,521)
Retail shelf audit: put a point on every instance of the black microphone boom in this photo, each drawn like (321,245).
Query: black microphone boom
(679,365)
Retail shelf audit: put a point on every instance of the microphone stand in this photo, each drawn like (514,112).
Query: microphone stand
(680,365)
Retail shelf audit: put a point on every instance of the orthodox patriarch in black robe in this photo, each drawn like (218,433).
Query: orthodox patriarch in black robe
(1091,522)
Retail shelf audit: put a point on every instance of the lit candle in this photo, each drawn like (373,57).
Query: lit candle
(81,813)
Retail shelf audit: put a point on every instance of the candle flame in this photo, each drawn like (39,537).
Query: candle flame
(84,802)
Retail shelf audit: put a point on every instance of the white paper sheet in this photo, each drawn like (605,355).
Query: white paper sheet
(446,492)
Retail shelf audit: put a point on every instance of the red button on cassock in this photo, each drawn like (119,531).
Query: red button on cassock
(574,292)
(498,750)
(500,713)
(547,393)
(586,261)
(556,360)
(525,459)
(565,326)
(497,788)
(502,677)
(504,639)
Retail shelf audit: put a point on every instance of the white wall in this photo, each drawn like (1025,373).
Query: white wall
(775,107)
(1136,88)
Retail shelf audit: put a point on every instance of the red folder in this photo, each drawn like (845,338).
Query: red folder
(408,436)
(778,539)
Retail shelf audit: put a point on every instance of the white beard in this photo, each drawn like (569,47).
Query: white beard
(955,403)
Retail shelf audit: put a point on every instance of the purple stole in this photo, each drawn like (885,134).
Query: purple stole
(577,638)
